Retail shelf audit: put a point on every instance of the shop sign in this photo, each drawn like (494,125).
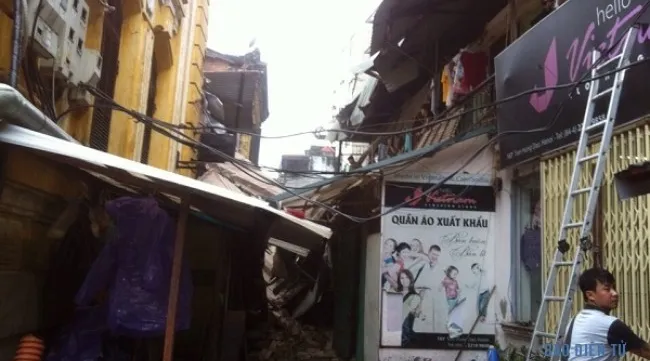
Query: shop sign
(437,265)
(558,51)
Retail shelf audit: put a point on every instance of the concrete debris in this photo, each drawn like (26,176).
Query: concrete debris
(288,340)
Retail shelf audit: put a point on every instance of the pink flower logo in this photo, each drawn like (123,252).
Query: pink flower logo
(541,100)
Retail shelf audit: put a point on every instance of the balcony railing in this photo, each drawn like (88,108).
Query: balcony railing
(477,108)
(473,111)
(470,112)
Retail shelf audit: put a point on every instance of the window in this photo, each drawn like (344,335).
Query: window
(527,275)
(101,124)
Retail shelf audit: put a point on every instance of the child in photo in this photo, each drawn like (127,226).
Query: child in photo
(451,287)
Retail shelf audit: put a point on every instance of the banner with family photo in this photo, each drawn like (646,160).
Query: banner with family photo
(437,272)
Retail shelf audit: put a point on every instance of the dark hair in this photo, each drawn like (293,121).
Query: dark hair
(402,246)
(450,269)
(590,278)
(409,275)
(475,265)
(434,247)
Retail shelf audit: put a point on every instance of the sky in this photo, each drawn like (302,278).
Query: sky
(306,45)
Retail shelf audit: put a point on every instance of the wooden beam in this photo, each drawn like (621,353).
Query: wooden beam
(172,305)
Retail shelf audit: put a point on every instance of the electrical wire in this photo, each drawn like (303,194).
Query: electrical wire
(405,131)
(436,121)
(435,187)
(191,142)
(107,102)
(32,77)
(498,136)
(188,141)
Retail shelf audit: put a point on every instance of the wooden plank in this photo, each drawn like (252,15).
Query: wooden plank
(170,329)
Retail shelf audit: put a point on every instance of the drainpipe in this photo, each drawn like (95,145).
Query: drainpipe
(15,109)
(240,105)
(15,43)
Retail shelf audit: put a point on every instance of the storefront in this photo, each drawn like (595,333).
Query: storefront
(540,151)
(106,266)
(435,270)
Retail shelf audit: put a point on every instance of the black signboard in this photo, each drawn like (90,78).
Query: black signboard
(556,51)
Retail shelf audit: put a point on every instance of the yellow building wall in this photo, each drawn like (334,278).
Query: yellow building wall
(177,79)
(194,85)
(626,247)
(34,191)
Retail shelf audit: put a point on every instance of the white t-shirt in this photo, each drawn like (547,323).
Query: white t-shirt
(597,336)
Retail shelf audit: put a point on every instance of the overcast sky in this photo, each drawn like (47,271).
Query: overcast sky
(306,46)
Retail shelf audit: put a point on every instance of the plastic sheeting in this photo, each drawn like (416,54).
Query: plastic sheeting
(135,267)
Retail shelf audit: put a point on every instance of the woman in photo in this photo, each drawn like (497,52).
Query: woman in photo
(417,255)
(387,252)
(391,271)
(411,305)
(405,282)
(411,309)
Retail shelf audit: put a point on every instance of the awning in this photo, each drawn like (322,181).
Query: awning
(352,114)
(633,181)
(405,33)
(216,202)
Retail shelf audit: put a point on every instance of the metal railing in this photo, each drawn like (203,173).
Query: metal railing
(480,99)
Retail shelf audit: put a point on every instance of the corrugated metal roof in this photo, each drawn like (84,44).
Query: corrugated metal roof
(216,202)
(404,32)
(250,182)
(231,59)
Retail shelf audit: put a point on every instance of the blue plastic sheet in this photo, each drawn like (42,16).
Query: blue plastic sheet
(135,267)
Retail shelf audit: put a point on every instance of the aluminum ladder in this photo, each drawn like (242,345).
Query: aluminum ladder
(590,126)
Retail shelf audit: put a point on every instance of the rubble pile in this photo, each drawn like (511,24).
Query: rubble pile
(288,340)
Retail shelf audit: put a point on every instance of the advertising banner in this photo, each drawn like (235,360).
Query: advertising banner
(437,265)
(557,51)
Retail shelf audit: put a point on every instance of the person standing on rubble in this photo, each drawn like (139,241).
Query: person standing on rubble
(594,325)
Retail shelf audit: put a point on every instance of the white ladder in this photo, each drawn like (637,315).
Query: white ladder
(589,127)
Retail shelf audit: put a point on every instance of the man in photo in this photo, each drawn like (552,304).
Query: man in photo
(425,280)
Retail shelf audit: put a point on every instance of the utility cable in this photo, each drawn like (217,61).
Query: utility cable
(425,193)
(103,101)
(430,124)
(498,136)
(405,131)
(112,105)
